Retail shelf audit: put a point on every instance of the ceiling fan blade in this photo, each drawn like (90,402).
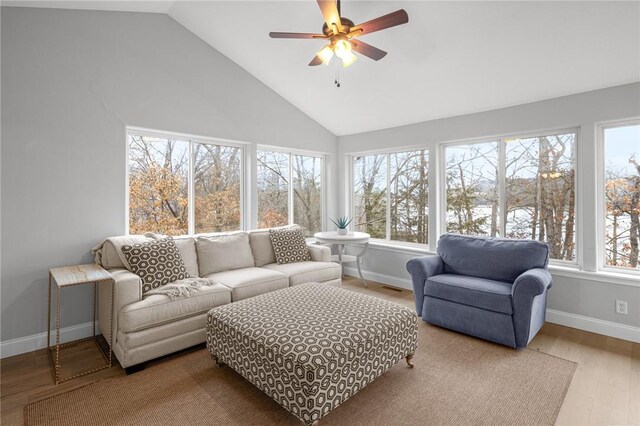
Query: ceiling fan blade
(398,17)
(368,50)
(295,35)
(330,13)
(315,61)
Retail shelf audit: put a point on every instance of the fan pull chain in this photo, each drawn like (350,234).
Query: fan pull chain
(336,81)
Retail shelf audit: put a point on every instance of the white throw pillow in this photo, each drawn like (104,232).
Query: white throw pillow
(187,247)
(223,252)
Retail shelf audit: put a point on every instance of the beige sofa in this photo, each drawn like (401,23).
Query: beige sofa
(242,265)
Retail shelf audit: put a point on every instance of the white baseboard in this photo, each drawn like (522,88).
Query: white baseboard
(621,331)
(403,283)
(594,325)
(39,341)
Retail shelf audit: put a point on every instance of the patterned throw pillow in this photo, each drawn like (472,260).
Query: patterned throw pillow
(156,262)
(289,245)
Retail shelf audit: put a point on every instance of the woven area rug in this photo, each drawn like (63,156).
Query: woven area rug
(456,380)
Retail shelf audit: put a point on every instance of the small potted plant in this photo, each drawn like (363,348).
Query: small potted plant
(342,223)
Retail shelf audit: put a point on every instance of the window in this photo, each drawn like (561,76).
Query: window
(289,190)
(515,187)
(178,185)
(390,195)
(622,196)
(472,189)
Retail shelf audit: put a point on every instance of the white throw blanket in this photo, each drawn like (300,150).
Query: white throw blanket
(181,288)
(118,242)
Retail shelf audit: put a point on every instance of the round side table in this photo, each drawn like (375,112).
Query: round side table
(341,240)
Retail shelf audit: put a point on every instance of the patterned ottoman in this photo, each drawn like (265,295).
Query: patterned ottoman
(312,346)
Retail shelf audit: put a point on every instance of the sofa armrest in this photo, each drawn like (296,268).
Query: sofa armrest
(420,269)
(127,289)
(529,296)
(319,253)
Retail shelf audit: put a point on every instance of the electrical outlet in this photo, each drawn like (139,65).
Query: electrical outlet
(621,307)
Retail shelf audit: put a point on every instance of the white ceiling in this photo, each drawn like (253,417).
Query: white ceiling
(451,58)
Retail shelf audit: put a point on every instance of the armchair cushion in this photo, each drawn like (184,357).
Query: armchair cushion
(500,259)
(481,293)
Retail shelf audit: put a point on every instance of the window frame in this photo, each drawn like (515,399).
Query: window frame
(290,196)
(500,139)
(351,185)
(601,218)
(191,139)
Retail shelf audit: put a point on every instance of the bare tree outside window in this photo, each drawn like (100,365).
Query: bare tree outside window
(307,193)
(409,196)
(216,179)
(622,196)
(273,189)
(370,194)
(275,182)
(158,185)
(541,191)
(538,182)
(472,189)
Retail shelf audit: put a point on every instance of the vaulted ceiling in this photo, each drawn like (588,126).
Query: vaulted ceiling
(452,57)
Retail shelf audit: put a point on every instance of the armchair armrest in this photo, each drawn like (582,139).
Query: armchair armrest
(319,253)
(127,289)
(420,269)
(531,282)
(529,298)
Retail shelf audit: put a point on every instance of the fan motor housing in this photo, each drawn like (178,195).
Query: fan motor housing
(346,23)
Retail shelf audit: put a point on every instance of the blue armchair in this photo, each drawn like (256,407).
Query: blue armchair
(492,288)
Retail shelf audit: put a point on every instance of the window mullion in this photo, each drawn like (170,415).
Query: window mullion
(388,212)
(290,192)
(502,190)
(191,191)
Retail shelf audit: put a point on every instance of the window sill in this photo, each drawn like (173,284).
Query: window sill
(400,247)
(632,280)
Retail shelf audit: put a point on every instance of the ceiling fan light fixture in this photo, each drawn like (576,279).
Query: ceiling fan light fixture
(348,59)
(325,54)
(343,49)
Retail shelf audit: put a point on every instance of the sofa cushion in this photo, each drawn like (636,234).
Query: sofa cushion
(289,245)
(500,259)
(249,282)
(261,247)
(187,248)
(158,309)
(479,292)
(156,262)
(305,272)
(223,252)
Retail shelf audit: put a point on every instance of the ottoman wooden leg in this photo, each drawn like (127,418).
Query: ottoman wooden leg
(215,359)
(408,359)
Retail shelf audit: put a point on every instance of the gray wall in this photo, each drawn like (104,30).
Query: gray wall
(71,82)
(589,296)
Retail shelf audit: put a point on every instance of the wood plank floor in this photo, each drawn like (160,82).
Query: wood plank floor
(605,389)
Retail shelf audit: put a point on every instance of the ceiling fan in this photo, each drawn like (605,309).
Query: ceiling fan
(342,34)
